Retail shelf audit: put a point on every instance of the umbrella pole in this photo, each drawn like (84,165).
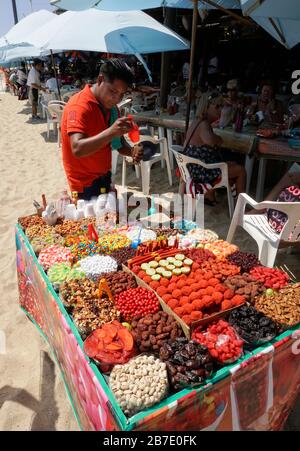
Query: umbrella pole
(55,74)
(192,57)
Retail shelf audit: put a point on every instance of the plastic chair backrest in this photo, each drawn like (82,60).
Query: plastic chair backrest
(183,161)
(56,109)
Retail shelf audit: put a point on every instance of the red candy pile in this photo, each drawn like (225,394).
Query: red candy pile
(197,295)
(136,303)
(221,340)
(270,277)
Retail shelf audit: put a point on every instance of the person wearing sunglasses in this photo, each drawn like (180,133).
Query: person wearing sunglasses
(202,143)
(231,104)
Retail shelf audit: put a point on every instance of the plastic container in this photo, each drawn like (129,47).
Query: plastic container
(134,134)
(62,203)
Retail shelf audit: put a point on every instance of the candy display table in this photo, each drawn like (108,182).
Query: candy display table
(257,393)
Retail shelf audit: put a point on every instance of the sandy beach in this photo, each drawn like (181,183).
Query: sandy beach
(32,394)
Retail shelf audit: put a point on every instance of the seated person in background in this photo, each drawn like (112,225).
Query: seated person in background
(51,83)
(21,75)
(13,79)
(271,109)
(231,102)
(202,143)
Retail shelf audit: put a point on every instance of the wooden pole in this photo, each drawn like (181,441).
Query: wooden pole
(14,7)
(165,80)
(55,74)
(192,57)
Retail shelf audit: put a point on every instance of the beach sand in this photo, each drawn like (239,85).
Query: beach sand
(32,394)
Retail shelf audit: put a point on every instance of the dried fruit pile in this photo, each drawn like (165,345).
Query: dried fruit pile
(199,255)
(270,277)
(220,269)
(221,249)
(120,281)
(109,345)
(246,285)
(283,307)
(153,330)
(136,303)
(188,362)
(245,260)
(221,340)
(252,326)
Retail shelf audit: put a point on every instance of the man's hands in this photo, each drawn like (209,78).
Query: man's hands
(121,126)
(137,153)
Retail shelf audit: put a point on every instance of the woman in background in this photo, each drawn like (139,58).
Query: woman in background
(202,143)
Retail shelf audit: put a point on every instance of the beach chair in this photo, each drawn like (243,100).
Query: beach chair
(51,121)
(183,161)
(258,227)
(56,108)
(145,166)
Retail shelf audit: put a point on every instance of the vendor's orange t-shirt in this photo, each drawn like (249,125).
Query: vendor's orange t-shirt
(82,114)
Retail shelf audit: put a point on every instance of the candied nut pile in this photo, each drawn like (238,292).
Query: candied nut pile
(78,292)
(153,330)
(120,281)
(282,307)
(245,285)
(94,314)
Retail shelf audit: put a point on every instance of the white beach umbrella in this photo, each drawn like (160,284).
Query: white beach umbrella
(107,31)
(17,35)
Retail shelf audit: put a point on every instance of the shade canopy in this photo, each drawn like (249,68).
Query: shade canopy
(20,52)
(18,33)
(107,31)
(280,18)
(129,5)
(284,9)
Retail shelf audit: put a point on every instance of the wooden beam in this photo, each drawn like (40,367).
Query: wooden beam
(230,13)
(278,31)
(192,58)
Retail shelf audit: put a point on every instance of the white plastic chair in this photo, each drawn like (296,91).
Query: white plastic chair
(146,165)
(183,161)
(56,108)
(50,120)
(45,98)
(258,227)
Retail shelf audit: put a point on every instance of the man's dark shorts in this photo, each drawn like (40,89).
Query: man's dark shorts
(95,189)
(35,96)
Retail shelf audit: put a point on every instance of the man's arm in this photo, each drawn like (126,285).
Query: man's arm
(83,146)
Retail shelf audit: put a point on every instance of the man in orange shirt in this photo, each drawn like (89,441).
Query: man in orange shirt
(88,129)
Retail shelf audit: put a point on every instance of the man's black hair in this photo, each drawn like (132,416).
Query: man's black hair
(117,69)
(37,61)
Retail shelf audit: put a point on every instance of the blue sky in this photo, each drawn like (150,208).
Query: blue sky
(23,7)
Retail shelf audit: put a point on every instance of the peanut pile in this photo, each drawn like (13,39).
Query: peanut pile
(139,384)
